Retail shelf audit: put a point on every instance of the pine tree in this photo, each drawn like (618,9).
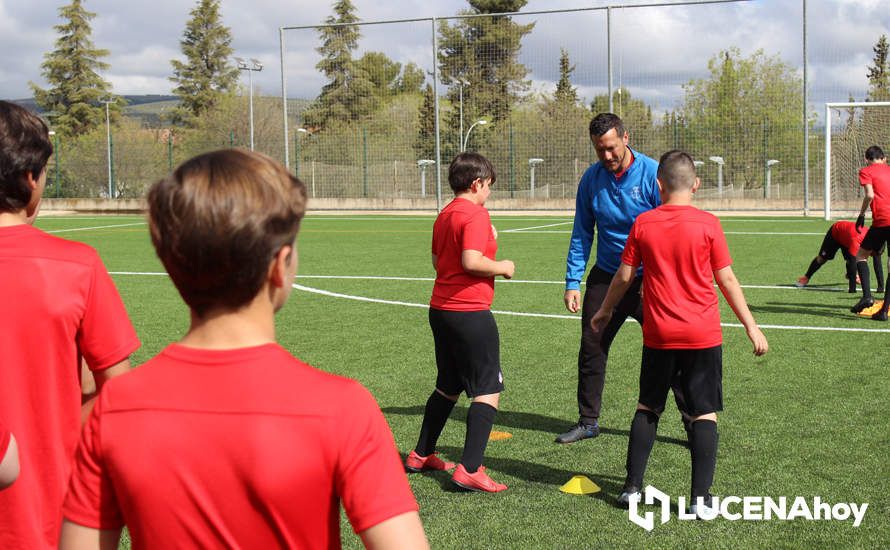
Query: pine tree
(565,95)
(349,93)
(425,142)
(879,73)
(73,99)
(206,75)
(483,51)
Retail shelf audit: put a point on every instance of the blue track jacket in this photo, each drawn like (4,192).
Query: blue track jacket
(611,206)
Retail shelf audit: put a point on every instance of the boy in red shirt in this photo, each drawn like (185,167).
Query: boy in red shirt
(684,250)
(846,237)
(875,178)
(464,330)
(59,307)
(9,458)
(224,439)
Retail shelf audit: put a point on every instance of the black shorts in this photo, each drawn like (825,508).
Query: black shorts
(830,247)
(876,238)
(467,352)
(699,372)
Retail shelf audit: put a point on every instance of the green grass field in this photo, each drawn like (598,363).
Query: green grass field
(808,419)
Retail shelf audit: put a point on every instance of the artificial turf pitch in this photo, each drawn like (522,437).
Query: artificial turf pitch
(808,419)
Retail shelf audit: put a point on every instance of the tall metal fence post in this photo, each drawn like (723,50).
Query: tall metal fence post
(57,151)
(111,185)
(806,123)
(170,151)
(364,162)
(609,54)
(436,105)
(512,163)
(297,154)
(284,97)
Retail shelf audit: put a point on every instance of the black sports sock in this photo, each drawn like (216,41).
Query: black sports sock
(480,418)
(879,271)
(862,269)
(438,408)
(814,267)
(886,305)
(704,456)
(639,445)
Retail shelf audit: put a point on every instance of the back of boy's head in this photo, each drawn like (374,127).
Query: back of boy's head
(676,171)
(874,153)
(603,122)
(24,149)
(467,168)
(217,222)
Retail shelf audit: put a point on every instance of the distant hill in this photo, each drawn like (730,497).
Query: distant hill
(151,108)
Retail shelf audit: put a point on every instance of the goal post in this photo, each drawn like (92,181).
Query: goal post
(852,124)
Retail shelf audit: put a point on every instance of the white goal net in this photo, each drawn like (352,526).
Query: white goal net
(850,129)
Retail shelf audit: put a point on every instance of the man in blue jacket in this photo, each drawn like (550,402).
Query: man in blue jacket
(611,194)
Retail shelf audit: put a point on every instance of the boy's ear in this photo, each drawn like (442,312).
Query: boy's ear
(660,185)
(474,187)
(278,268)
(696,185)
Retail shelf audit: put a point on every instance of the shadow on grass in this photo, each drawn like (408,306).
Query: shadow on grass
(526,421)
(822,310)
(534,473)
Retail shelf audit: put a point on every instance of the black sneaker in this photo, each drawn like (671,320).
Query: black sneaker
(629,493)
(862,304)
(579,431)
(881,315)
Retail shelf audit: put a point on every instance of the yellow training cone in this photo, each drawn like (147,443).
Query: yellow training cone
(580,485)
(869,311)
(499,436)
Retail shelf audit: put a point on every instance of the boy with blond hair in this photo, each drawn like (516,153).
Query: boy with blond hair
(224,439)
(684,250)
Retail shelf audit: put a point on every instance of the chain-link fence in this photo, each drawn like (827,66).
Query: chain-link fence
(386,105)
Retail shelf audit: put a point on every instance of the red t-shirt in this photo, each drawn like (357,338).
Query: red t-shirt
(243,448)
(462,225)
(59,305)
(680,248)
(878,176)
(846,235)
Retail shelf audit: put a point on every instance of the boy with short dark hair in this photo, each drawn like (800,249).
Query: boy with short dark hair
(683,249)
(847,238)
(224,439)
(465,333)
(875,178)
(59,306)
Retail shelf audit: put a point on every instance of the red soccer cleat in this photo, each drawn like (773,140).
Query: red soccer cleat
(802,282)
(416,463)
(478,481)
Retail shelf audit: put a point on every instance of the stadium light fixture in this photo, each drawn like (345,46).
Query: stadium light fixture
(720,162)
(481,121)
(252,67)
(532,162)
(311,134)
(766,185)
(423,164)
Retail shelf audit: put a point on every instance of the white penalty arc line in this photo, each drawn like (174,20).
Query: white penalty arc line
(96,227)
(522,229)
(553,316)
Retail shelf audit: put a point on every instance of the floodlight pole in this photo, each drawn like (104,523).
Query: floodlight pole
(423,163)
(766,186)
(467,137)
(720,162)
(254,66)
(107,102)
(531,168)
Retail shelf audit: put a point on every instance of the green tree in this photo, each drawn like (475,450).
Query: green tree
(382,71)
(565,92)
(412,79)
(349,93)
(879,72)
(206,75)
(425,142)
(747,111)
(483,52)
(71,70)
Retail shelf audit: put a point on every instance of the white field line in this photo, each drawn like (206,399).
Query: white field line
(725,232)
(95,227)
(520,229)
(572,317)
(498,312)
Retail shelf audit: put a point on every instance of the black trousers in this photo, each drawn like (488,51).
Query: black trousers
(595,346)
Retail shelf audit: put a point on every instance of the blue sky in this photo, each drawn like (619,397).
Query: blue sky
(655,50)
